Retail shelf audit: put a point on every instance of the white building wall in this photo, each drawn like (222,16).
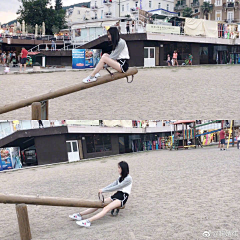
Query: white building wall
(128,4)
(79,14)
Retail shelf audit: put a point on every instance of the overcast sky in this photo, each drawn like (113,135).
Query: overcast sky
(8,8)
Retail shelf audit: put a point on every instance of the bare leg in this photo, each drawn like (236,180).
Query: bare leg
(106,60)
(91,210)
(25,67)
(20,67)
(109,207)
(88,211)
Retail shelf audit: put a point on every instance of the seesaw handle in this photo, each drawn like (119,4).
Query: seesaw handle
(101,199)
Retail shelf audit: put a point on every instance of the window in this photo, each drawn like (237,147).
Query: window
(218,16)
(183,49)
(74,145)
(218,3)
(69,147)
(196,10)
(150,4)
(168,7)
(151,52)
(230,17)
(98,143)
(107,143)
(159,5)
(145,52)
(90,144)
(127,7)
(122,8)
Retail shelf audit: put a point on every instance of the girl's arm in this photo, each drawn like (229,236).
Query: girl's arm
(127,181)
(115,53)
(111,185)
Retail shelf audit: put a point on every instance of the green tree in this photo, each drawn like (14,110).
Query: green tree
(58,5)
(30,28)
(37,11)
(187,12)
(206,9)
(60,14)
(55,29)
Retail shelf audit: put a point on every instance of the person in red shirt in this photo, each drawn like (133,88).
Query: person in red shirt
(222,139)
(175,55)
(23,61)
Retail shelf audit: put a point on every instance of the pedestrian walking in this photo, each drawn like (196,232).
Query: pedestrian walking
(190,58)
(128,27)
(40,124)
(122,185)
(7,69)
(168,60)
(133,26)
(222,139)
(53,47)
(238,140)
(23,61)
(4,58)
(175,55)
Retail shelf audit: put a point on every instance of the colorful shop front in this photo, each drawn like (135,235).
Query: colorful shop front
(184,134)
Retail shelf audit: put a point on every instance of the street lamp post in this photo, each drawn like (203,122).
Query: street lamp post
(119,8)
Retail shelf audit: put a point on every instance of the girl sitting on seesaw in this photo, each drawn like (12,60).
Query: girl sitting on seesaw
(118,59)
(122,185)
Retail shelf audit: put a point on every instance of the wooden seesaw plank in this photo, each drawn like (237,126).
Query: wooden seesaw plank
(67,90)
(50,201)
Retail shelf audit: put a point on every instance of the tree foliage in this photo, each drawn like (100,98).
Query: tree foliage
(38,11)
(187,12)
(206,8)
(58,5)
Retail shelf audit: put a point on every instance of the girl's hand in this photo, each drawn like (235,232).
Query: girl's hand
(100,190)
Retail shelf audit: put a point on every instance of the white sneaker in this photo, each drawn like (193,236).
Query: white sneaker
(84,223)
(76,216)
(97,75)
(89,79)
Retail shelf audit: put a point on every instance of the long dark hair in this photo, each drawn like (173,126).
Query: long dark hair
(115,36)
(125,170)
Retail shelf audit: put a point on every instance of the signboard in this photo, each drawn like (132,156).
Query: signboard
(78,58)
(162,29)
(85,58)
(92,57)
(10,158)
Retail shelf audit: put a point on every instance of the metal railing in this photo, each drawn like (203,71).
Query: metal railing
(180,7)
(38,47)
(195,4)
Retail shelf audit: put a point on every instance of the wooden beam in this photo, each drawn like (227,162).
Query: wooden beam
(36,111)
(67,90)
(50,201)
(23,222)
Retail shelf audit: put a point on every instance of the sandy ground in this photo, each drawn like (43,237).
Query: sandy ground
(175,195)
(200,92)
